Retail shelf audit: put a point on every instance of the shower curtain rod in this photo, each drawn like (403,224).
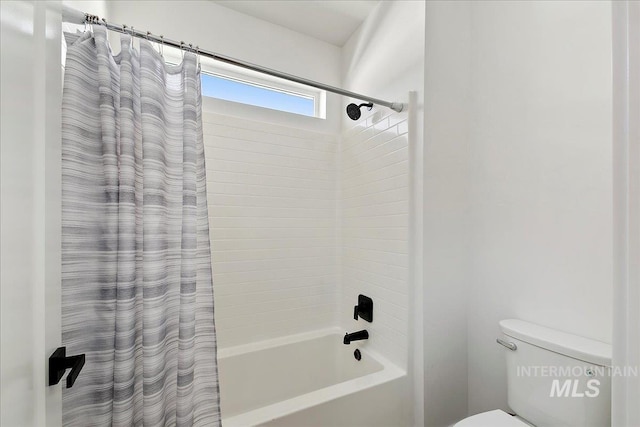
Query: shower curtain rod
(74,16)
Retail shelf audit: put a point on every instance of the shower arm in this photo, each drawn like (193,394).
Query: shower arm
(74,16)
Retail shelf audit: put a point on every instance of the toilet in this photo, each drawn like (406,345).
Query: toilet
(554,379)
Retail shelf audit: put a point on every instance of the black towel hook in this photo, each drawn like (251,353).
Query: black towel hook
(59,362)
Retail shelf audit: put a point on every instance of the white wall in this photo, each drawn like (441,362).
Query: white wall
(227,32)
(380,180)
(30,211)
(540,176)
(517,185)
(384,58)
(94,7)
(272,214)
(446,209)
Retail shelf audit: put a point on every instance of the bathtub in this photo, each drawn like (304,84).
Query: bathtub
(310,380)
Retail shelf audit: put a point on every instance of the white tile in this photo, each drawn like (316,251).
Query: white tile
(273,224)
(276,216)
(374,209)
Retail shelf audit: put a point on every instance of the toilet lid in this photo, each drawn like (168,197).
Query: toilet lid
(495,418)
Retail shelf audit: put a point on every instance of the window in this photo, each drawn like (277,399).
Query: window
(231,89)
(232,83)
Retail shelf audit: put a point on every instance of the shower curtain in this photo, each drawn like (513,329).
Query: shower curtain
(137,294)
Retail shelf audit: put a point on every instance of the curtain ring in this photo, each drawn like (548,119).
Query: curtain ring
(131,42)
(96,21)
(198,58)
(124,29)
(182,49)
(161,45)
(192,50)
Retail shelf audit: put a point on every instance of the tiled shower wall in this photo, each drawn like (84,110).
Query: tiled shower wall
(374,233)
(300,225)
(272,212)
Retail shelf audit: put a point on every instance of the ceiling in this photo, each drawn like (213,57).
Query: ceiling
(332,21)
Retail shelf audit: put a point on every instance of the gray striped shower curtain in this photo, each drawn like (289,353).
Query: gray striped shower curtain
(137,294)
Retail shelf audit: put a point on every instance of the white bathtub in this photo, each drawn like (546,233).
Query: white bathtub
(309,380)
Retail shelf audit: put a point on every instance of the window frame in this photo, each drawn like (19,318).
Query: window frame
(254,78)
(269,85)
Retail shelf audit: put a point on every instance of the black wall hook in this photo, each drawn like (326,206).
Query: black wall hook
(59,363)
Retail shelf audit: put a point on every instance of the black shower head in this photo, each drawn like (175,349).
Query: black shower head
(353,110)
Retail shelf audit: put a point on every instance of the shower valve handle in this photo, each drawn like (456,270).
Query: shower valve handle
(364,309)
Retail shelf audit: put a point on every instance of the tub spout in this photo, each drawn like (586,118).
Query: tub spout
(356,336)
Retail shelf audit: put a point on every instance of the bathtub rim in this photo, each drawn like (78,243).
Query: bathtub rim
(389,372)
(237,350)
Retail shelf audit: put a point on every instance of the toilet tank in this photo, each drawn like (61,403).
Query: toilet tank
(555,378)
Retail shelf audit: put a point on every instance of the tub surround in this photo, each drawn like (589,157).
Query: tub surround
(272,213)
